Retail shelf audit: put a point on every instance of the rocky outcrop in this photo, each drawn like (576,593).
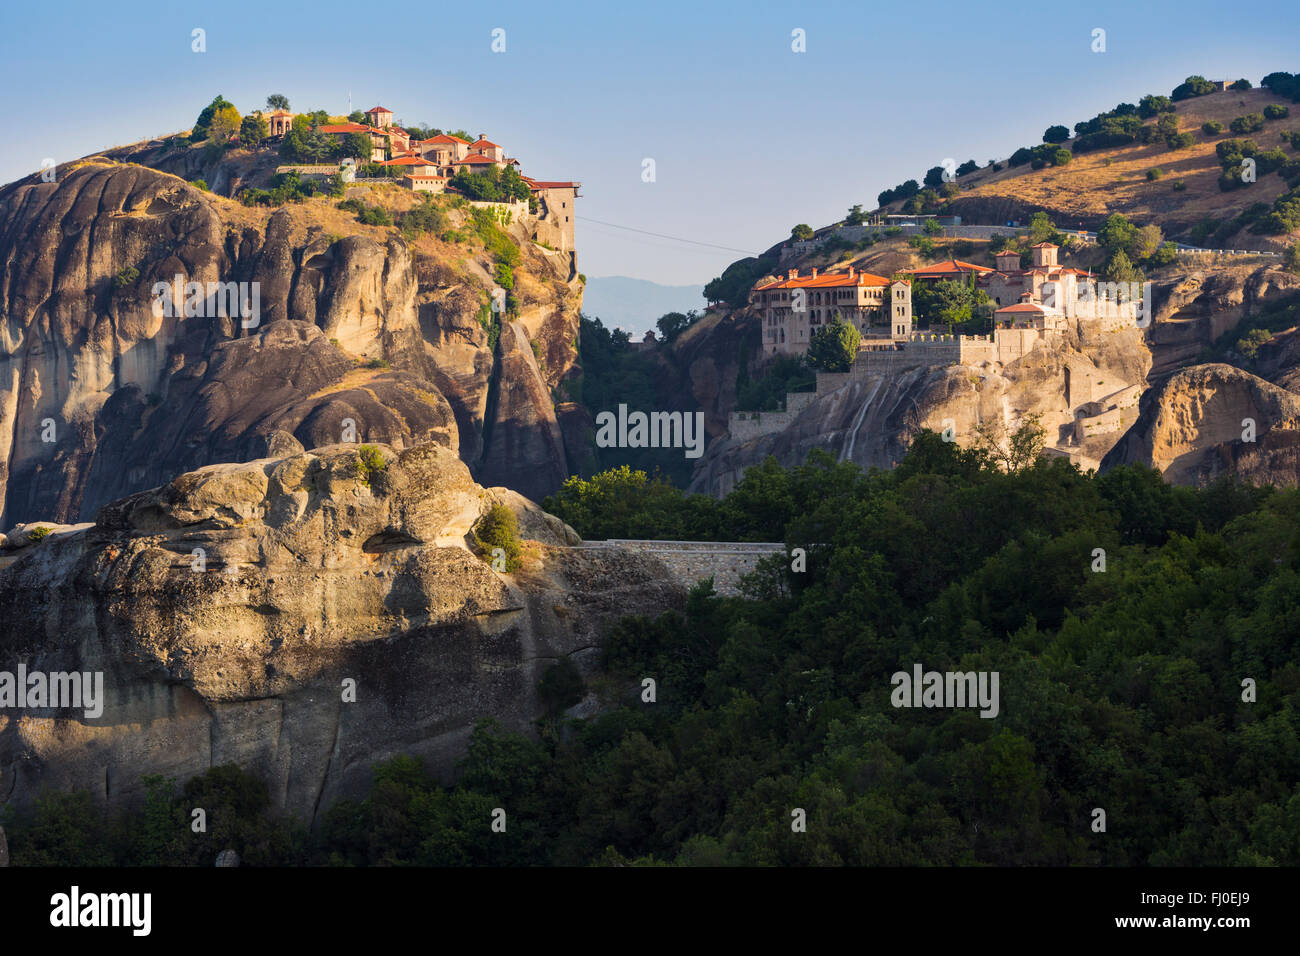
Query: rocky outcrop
(1197,304)
(1213,419)
(870,417)
(301,616)
(101,395)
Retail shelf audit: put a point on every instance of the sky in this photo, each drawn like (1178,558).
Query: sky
(748,137)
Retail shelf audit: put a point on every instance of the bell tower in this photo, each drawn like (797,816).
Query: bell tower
(900,311)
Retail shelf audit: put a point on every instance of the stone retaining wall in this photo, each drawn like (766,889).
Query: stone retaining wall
(693,561)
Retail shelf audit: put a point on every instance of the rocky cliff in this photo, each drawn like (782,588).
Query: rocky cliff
(101,396)
(1209,420)
(869,417)
(229,610)
(1083,389)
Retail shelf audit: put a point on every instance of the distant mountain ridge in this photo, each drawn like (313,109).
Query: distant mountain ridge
(634,305)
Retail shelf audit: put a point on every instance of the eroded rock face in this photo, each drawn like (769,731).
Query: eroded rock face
(101,396)
(229,609)
(1196,425)
(871,419)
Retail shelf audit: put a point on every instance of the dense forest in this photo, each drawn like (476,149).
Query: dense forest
(614,373)
(1127,619)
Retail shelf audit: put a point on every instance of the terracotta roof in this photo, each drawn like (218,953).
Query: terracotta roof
(1006,252)
(1044,245)
(344,128)
(423,176)
(539,184)
(952,267)
(485,142)
(473,159)
(828,280)
(1022,307)
(378,109)
(408,161)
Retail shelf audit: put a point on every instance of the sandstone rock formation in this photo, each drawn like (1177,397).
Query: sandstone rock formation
(1196,425)
(870,418)
(229,609)
(101,396)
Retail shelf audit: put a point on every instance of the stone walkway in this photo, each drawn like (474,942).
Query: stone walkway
(693,561)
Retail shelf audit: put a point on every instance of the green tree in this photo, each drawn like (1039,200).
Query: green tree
(1117,234)
(1191,87)
(1250,123)
(1042,229)
(277,101)
(1119,268)
(1165,254)
(225,124)
(834,346)
(203,124)
(1292,260)
(1056,134)
(253,130)
(1146,240)
(357,146)
(499,528)
(673,324)
(1248,345)
(801,232)
(1150,106)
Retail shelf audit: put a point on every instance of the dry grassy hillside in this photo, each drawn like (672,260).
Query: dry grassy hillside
(1097,183)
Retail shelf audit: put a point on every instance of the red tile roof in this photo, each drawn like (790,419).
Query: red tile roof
(378,109)
(952,267)
(538,184)
(473,159)
(484,142)
(829,280)
(344,128)
(443,139)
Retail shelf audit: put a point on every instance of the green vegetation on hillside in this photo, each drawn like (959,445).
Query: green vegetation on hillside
(499,529)
(784,373)
(732,287)
(615,373)
(493,185)
(290,186)
(833,347)
(1164,690)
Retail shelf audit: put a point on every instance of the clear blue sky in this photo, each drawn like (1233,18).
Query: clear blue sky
(748,137)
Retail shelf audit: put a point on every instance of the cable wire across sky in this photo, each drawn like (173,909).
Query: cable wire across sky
(660,235)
